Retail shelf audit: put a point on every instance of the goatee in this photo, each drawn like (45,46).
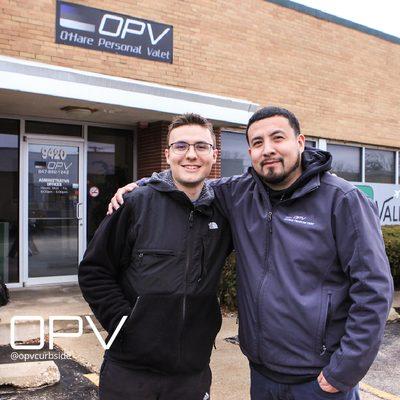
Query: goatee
(275,179)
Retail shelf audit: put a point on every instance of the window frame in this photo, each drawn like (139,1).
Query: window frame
(355,145)
(364,147)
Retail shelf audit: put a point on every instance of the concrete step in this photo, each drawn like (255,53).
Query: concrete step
(393,315)
(29,374)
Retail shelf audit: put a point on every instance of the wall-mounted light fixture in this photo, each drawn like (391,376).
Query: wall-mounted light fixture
(76,110)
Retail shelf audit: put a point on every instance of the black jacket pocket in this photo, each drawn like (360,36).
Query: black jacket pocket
(155,271)
(150,336)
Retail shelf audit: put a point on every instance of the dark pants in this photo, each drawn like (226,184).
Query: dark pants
(120,383)
(263,388)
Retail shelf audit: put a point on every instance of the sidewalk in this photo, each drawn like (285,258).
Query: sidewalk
(40,301)
(229,366)
(396,299)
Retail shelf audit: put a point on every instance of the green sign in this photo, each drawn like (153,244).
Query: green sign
(367,190)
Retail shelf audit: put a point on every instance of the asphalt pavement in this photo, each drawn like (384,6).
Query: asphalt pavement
(73,384)
(385,371)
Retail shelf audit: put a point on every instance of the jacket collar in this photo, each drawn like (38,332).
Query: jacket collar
(313,184)
(163,182)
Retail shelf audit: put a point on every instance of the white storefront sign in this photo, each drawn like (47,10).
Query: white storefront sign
(387,198)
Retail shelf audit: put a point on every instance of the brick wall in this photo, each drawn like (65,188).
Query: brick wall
(150,148)
(342,83)
(151,142)
(216,169)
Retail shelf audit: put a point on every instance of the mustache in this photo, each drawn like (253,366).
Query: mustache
(268,160)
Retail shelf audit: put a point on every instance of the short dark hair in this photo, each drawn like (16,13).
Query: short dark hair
(191,119)
(273,111)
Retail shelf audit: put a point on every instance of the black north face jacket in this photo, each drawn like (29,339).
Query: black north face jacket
(158,260)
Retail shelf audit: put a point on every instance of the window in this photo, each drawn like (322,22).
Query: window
(311,143)
(379,166)
(346,161)
(235,158)
(9,200)
(110,166)
(52,128)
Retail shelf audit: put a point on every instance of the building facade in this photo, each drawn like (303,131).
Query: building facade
(88,88)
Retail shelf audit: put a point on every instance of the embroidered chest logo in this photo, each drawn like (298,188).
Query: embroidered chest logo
(298,219)
(212,225)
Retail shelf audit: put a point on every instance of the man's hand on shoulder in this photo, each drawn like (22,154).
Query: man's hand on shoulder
(118,200)
(325,385)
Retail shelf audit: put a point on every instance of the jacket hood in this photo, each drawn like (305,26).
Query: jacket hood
(163,182)
(314,161)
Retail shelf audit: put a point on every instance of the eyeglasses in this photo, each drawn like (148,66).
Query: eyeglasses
(181,148)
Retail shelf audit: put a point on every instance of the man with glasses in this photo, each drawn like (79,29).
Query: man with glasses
(158,261)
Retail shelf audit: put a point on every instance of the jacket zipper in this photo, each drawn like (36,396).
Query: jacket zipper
(185,283)
(203,270)
(135,306)
(140,258)
(269,219)
(156,253)
(187,266)
(130,315)
(327,320)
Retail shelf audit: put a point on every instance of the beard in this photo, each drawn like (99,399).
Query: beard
(274,178)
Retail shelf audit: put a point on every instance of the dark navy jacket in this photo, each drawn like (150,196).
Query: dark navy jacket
(314,283)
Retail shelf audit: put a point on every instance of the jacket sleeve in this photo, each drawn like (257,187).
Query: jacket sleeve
(98,273)
(224,192)
(362,255)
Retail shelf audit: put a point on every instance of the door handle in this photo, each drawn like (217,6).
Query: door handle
(77,211)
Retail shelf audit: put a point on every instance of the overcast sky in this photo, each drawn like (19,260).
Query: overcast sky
(382,15)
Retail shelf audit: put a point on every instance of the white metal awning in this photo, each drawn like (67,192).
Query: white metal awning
(38,89)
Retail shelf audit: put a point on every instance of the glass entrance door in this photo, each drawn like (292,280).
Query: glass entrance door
(54,224)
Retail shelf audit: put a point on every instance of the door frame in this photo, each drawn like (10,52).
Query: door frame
(26,139)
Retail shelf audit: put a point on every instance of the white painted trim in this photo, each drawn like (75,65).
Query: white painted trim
(25,140)
(83,188)
(66,140)
(363,164)
(150,85)
(322,144)
(44,79)
(67,121)
(20,207)
(52,279)
(23,206)
(14,285)
(82,222)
